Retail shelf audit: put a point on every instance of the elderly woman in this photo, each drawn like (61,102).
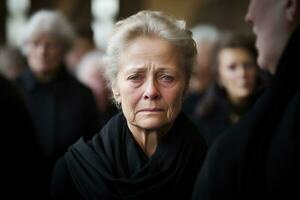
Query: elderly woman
(61,107)
(150,150)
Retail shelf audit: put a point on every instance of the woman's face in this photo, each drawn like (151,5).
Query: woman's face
(45,54)
(92,76)
(151,83)
(237,72)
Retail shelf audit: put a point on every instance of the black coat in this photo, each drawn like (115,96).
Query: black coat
(190,104)
(21,169)
(259,157)
(62,110)
(112,166)
(216,118)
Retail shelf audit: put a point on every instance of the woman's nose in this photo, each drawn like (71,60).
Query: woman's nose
(151,90)
(242,71)
(41,49)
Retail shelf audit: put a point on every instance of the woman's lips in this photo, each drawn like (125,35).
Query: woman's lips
(151,110)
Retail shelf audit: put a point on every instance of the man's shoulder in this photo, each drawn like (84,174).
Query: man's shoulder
(291,114)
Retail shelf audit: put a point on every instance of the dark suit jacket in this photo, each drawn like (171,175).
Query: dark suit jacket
(62,110)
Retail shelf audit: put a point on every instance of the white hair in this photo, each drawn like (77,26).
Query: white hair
(50,22)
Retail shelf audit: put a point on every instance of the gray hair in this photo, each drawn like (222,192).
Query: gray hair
(149,23)
(50,22)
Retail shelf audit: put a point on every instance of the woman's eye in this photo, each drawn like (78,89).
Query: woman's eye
(35,43)
(134,77)
(167,78)
(232,67)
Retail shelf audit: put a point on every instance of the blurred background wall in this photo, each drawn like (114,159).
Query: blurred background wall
(225,15)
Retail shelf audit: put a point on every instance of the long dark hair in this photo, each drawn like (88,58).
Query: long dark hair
(215,92)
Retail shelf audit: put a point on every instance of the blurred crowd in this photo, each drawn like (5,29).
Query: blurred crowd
(59,72)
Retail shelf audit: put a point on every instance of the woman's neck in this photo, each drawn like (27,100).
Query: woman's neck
(148,140)
(239,102)
(239,106)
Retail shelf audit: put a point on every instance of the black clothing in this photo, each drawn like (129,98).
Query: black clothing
(113,166)
(20,160)
(108,113)
(190,103)
(216,112)
(259,157)
(62,110)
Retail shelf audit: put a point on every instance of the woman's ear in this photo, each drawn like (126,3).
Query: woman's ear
(116,93)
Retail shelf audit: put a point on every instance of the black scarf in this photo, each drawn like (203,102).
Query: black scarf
(112,165)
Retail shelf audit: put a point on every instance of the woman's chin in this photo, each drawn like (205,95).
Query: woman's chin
(153,123)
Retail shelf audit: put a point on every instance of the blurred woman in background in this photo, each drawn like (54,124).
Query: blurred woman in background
(236,87)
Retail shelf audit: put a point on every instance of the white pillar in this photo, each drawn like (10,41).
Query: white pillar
(16,20)
(104,13)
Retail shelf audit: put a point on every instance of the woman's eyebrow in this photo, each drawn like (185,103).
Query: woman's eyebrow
(143,68)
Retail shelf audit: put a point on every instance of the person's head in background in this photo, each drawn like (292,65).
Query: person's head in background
(12,62)
(235,68)
(46,39)
(84,43)
(90,71)
(205,37)
(272,30)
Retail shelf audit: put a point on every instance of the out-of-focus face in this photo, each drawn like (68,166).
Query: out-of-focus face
(45,55)
(81,47)
(151,83)
(201,76)
(267,18)
(92,77)
(237,72)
